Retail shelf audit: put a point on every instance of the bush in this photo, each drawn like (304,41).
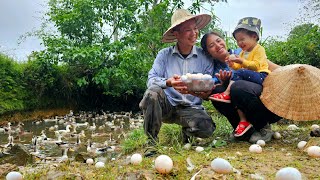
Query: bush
(301,47)
(12,91)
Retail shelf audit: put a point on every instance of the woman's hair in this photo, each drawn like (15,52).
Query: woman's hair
(204,41)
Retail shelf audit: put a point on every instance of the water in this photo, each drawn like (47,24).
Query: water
(109,127)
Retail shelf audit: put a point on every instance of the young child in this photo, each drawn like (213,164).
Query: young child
(251,64)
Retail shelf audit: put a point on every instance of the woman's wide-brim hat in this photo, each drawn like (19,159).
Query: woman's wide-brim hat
(180,16)
(293,92)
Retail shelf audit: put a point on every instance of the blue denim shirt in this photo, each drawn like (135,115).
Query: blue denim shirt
(168,62)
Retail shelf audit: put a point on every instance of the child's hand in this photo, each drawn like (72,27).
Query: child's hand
(230,63)
(235,59)
(229,59)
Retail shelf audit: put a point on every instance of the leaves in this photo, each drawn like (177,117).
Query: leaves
(302,46)
(99,52)
(12,92)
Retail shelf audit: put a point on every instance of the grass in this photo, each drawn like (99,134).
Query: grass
(276,155)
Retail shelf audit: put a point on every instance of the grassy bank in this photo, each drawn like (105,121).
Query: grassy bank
(276,155)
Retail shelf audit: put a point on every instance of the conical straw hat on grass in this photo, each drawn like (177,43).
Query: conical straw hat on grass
(293,92)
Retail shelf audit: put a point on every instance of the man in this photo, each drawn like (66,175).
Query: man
(166,100)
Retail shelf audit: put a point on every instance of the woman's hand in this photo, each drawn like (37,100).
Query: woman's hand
(224,75)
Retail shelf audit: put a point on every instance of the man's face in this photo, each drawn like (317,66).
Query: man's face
(187,33)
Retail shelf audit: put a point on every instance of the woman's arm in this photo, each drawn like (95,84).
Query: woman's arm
(272,66)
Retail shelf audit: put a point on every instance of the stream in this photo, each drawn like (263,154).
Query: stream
(102,130)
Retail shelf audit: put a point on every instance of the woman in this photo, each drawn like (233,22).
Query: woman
(244,94)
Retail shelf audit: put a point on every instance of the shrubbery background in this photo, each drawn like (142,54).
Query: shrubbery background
(87,66)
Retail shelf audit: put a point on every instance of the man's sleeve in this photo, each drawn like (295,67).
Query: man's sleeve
(156,75)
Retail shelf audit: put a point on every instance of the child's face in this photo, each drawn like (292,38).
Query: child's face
(245,41)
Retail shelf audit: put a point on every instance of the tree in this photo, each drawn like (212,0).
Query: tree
(302,46)
(12,92)
(310,11)
(108,45)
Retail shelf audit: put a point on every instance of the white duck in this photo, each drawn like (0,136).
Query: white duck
(35,146)
(86,124)
(10,141)
(64,155)
(54,141)
(8,128)
(78,140)
(93,127)
(67,130)
(55,120)
(92,149)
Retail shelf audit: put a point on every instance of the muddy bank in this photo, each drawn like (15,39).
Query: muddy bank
(32,115)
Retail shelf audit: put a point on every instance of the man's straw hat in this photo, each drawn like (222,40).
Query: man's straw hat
(293,92)
(180,16)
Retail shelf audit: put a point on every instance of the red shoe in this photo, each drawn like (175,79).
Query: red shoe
(242,128)
(222,97)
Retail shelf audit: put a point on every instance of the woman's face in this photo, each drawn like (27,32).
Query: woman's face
(217,47)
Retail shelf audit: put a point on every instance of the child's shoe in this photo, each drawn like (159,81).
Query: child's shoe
(242,128)
(222,97)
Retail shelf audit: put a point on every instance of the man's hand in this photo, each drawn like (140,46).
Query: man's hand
(177,84)
(202,95)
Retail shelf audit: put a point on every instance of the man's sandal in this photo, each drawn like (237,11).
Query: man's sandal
(222,97)
(242,128)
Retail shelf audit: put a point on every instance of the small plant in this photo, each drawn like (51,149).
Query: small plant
(134,141)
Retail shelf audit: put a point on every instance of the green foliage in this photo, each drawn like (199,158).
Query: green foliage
(301,47)
(170,134)
(223,127)
(44,80)
(102,50)
(134,141)
(12,92)
(108,47)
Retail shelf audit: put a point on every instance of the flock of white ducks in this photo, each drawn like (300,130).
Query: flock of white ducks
(68,133)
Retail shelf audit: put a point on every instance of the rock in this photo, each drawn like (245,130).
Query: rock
(19,155)
(81,157)
(315,132)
